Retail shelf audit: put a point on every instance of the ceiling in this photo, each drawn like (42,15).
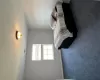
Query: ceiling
(37,13)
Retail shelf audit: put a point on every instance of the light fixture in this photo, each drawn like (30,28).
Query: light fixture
(18,35)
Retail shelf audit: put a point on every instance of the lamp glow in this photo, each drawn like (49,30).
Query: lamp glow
(18,35)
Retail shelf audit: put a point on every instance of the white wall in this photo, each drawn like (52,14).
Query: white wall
(12,50)
(42,70)
(38,13)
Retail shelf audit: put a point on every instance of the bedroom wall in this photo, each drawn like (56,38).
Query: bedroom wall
(42,70)
(82,60)
(12,50)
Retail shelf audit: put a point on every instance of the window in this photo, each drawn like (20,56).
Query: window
(48,52)
(36,52)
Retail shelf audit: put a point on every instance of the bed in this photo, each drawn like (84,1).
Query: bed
(65,30)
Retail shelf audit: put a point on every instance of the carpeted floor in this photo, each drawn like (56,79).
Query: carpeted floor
(81,60)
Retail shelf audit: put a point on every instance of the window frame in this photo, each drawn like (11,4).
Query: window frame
(52,54)
(40,56)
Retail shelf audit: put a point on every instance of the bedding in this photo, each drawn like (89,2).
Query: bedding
(61,32)
(65,29)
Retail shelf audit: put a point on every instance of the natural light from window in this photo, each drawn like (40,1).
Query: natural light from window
(48,52)
(36,52)
(42,52)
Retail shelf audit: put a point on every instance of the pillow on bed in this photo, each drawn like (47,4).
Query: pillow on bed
(53,23)
(54,18)
(54,14)
(59,9)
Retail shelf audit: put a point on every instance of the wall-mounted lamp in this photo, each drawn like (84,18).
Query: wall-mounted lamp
(18,35)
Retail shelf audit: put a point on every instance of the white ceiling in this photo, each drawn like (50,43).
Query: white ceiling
(38,12)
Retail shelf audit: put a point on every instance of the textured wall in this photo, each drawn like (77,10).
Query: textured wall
(82,60)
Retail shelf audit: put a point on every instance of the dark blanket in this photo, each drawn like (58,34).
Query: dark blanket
(71,25)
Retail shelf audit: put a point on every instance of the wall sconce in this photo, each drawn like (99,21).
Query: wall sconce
(18,35)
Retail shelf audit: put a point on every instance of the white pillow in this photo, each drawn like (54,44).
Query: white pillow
(53,23)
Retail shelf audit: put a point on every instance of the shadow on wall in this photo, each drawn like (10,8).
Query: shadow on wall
(81,61)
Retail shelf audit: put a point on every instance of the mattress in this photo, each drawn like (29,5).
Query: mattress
(60,32)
